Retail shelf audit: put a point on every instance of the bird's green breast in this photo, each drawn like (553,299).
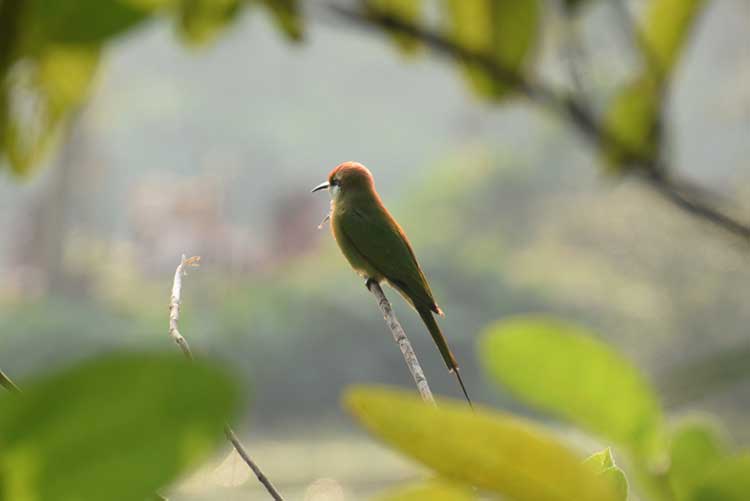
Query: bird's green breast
(340,216)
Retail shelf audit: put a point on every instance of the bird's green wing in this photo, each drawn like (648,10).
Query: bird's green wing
(380,241)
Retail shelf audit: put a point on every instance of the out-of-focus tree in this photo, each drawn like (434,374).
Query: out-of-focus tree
(49,53)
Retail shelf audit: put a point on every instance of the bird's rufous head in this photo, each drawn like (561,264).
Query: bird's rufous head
(348,177)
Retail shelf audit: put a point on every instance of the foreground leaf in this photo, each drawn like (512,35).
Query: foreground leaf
(604,464)
(116,428)
(565,370)
(727,481)
(487,449)
(694,450)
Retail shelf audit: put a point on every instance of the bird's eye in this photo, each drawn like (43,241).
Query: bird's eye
(335,182)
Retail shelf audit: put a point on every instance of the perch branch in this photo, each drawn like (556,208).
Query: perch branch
(8,383)
(403,342)
(174,333)
(568,107)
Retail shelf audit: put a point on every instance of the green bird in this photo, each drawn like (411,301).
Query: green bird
(377,248)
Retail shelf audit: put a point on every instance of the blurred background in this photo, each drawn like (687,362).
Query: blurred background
(211,149)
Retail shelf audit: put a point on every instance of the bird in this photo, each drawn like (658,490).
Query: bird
(377,248)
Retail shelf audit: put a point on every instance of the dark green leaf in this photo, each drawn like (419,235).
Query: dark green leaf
(117,428)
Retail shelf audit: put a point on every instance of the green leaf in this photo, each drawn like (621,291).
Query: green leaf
(486,449)
(404,10)
(64,75)
(89,22)
(116,428)
(433,490)
(727,481)
(633,113)
(603,463)
(666,27)
(505,30)
(201,21)
(565,370)
(695,449)
(632,120)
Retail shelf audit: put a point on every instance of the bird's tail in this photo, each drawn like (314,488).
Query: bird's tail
(442,344)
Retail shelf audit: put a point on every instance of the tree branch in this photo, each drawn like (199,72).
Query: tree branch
(568,107)
(174,333)
(403,342)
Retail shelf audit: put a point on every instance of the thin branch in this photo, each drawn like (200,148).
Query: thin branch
(174,333)
(410,357)
(567,107)
(174,303)
(8,383)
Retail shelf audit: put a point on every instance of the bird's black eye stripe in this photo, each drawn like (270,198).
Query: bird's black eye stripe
(335,182)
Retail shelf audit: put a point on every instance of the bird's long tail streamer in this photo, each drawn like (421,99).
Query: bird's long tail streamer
(445,351)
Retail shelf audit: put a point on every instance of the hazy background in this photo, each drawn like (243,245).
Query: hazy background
(213,152)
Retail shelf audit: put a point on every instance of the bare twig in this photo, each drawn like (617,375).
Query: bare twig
(8,383)
(174,333)
(174,303)
(403,342)
(568,107)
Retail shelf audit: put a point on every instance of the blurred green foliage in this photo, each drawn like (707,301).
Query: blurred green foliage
(554,366)
(634,114)
(118,427)
(50,53)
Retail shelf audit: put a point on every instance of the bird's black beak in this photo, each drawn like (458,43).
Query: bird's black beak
(321,186)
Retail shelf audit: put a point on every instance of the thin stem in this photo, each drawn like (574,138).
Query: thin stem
(174,333)
(410,357)
(8,383)
(232,437)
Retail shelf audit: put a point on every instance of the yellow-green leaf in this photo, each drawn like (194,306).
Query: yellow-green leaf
(565,370)
(65,73)
(433,490)
(631,121)
(695,448)
(490,450)
(505,30)
(603,463)
(666,27)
